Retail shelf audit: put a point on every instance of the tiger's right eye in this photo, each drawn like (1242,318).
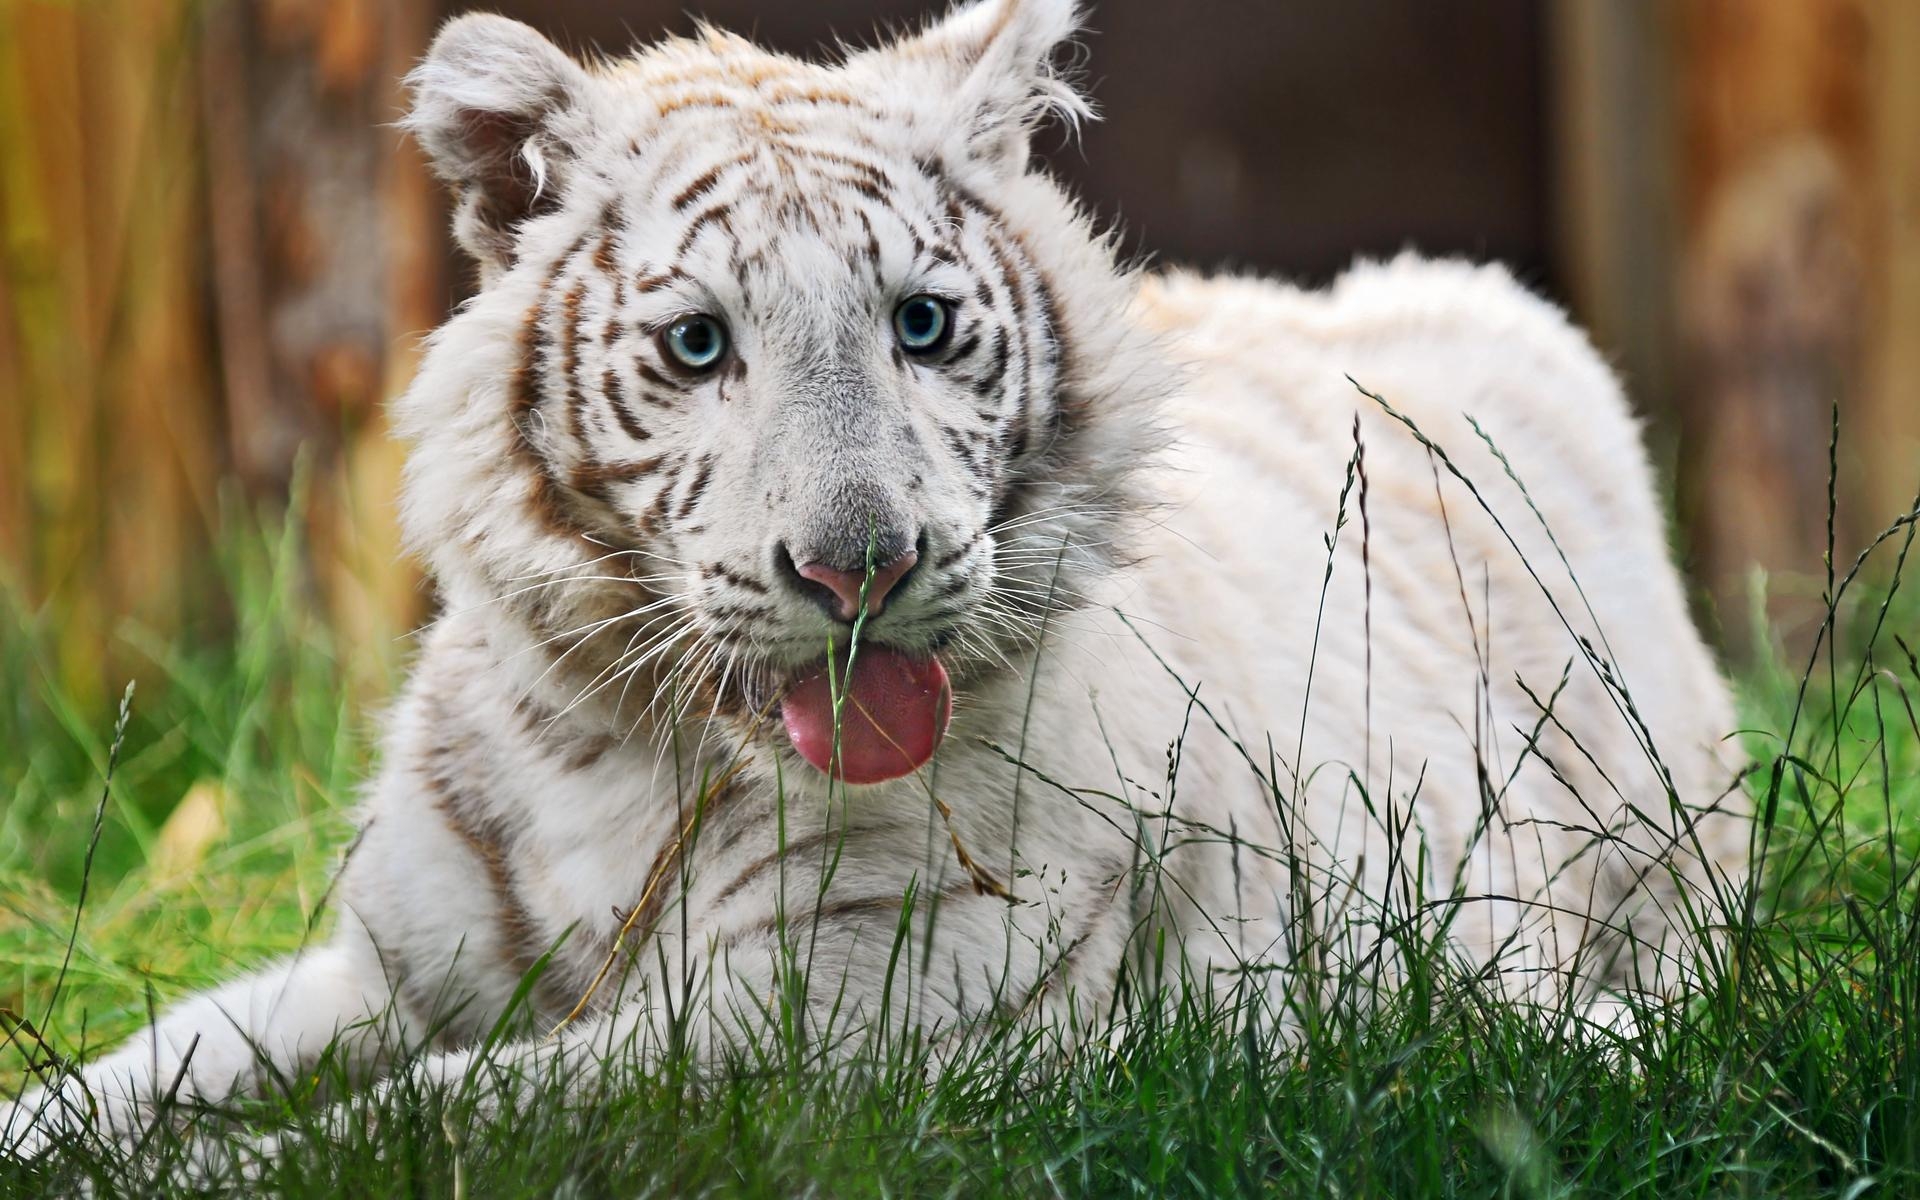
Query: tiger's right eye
(922,324)
(696,342)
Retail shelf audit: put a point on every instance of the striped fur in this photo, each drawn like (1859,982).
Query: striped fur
(1118,488)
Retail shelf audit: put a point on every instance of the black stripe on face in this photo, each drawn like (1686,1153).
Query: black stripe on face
(646,282)
(1025,286)
(951,587)
(868,188)
(716,215)
(615,392)
(965,348)
(1016,263)
(960,552)
(886,905)
(568,366)
(987,384)
(700,480)
(706,180)
(872,247)
(598,479)
(737,579)
(545,497)
(1069,410)
(1016,284)
(1023,273)
(974,452)
(739,616)
(865,169)
(1017,447)
(649,374)
(655,517)
(525,387)
(815,170)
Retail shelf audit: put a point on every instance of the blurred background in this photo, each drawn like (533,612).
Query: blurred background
(217,256)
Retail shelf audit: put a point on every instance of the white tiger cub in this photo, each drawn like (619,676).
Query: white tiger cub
(768,353)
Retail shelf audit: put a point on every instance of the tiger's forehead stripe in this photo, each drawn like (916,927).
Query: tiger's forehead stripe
(733,77)
(705,181)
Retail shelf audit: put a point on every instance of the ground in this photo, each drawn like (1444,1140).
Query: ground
(1793,1070)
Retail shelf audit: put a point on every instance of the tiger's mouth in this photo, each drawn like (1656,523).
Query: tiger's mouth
(878,718)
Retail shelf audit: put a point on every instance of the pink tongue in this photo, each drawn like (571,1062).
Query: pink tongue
(895,711)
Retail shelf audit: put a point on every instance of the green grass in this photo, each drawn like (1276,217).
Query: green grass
(254,720)
(1794,1070)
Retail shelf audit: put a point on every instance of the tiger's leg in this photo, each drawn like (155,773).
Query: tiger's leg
(236,1039)
(664,1006)
(597,1051)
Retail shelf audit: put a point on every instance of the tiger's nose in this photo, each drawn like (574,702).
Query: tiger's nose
(839,591)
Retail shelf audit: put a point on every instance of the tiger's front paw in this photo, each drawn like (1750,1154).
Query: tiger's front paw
(32,1126)
(87,1105)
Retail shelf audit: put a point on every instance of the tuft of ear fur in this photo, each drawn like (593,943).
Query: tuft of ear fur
(987,74)
(486,102)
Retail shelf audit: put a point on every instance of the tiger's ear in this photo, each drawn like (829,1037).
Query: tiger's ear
(983,78)
(487,100)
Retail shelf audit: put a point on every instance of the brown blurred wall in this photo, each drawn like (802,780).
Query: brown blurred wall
(219,255)
(1799,201)
(1283,136)
(109,446)
(217,258)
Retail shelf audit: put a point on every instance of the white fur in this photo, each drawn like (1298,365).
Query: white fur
(1162,569)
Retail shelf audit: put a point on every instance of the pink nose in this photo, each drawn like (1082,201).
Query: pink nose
(846,585)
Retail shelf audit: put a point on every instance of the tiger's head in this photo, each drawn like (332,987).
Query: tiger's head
(765,347)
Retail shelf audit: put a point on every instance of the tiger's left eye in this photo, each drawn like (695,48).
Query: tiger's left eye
(695,341)
(922,324)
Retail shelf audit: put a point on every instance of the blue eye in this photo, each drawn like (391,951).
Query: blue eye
(922,324)
(696,342)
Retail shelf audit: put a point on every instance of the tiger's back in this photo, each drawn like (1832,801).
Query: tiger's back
(1510,664)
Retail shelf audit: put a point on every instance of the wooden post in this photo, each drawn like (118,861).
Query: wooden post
(1738,187)
(1893,367)
(1610,62)
(326,250)
(104,389)
(1773,113)
(154,153)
